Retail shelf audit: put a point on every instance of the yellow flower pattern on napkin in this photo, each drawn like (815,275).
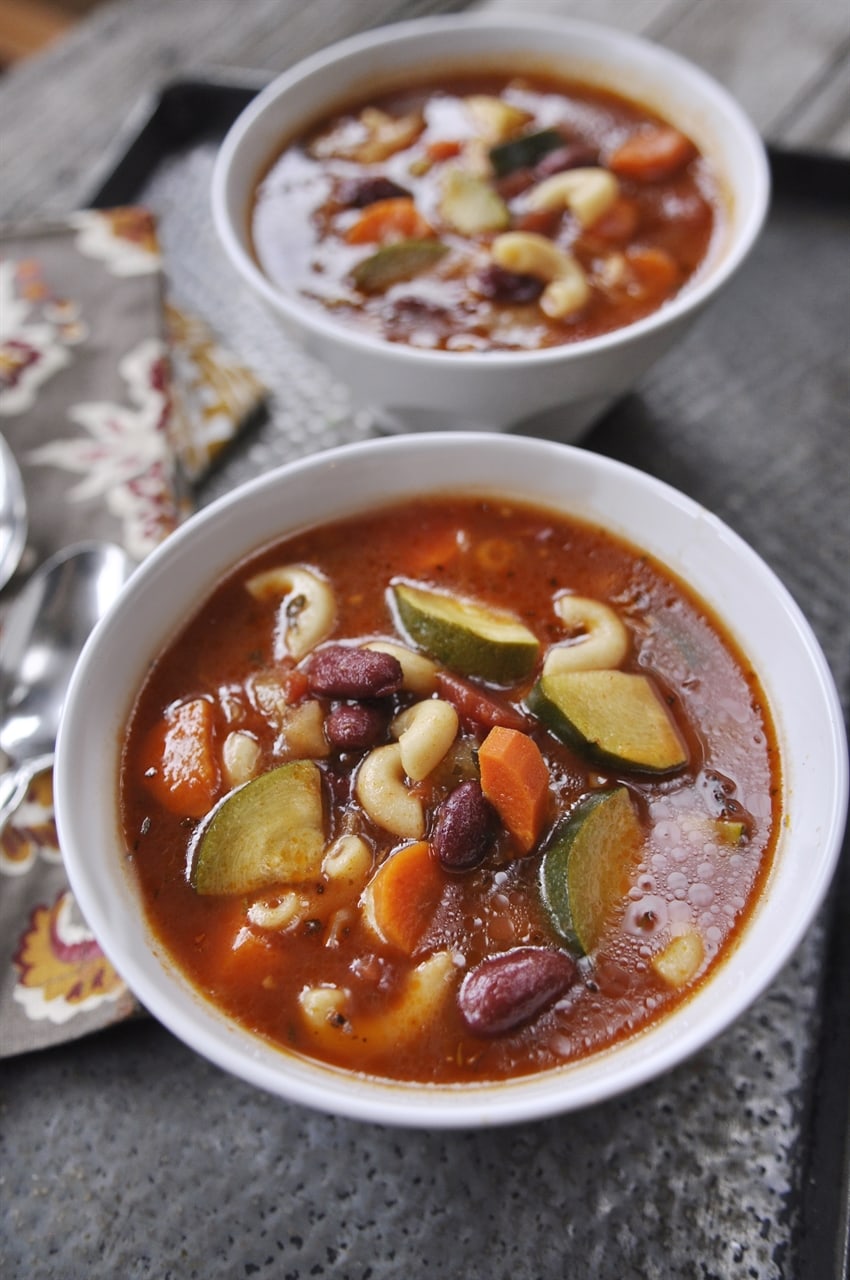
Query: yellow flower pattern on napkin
(62,969)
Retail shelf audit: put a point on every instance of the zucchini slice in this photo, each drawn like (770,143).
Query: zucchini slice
(524,152)
(585,873)
(270,831)
(614,718)
(467,637)
(395,262)
(470,205)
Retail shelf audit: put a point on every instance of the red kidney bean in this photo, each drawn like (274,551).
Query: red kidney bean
(573,155)
(341,671)
(355,726)
(514,183)
(507,286)
(339,781)
(506,990)
(407,314)
(465,828)
(360,192)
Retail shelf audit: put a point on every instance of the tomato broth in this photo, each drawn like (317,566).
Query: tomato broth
(488,213)
(435,949)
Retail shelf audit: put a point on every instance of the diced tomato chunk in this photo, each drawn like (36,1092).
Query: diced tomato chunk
(654,271)
(475,707)
(296,684)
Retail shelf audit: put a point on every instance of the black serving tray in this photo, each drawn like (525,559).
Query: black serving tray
(720,419)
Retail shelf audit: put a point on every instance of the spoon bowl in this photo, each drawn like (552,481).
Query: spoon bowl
(13,514)
(47,626)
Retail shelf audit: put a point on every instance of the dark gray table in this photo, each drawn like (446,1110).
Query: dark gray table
(125,1155)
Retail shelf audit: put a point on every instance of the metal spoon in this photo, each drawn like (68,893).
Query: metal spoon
(13,514)
(45,630)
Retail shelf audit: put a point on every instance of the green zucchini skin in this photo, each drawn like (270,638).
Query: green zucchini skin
(269,831)
(613,718)
(585,872)
(468,638)
(394,262)
(525,151)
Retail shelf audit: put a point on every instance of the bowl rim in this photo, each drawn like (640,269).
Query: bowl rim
(174,1002)
(324,327)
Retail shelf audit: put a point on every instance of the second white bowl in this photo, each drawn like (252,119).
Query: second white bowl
(416,388)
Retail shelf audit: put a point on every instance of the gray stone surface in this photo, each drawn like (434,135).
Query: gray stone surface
(158,1165)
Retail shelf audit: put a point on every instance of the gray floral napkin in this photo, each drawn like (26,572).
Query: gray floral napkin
(113,400)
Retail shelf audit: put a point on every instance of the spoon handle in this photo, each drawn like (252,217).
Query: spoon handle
(14,785)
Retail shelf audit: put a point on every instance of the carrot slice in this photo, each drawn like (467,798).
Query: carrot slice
(401,897)
(178,762)
(396,218)
(652,154)
(515,779)
(656,273)
(443,149)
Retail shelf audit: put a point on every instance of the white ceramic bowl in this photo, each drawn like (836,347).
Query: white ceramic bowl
(414,388)
(725,572)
